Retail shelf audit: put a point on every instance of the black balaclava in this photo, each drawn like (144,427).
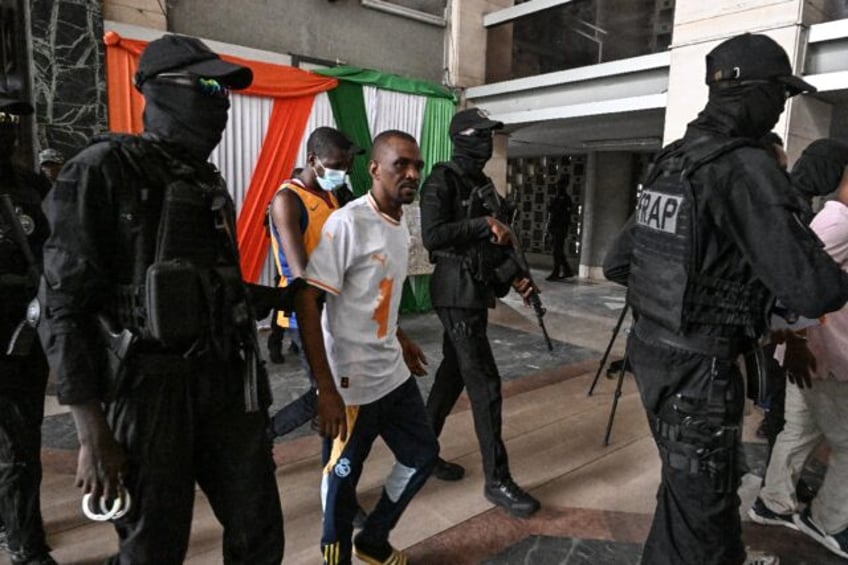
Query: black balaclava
(183,116)
(472,151)
(743,110)
(819,169)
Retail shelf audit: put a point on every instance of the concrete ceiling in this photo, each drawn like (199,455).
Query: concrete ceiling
(632,131)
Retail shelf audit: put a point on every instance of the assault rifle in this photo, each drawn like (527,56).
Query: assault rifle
(517,263)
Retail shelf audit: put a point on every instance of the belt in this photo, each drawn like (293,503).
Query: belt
(709,346)
(440,254)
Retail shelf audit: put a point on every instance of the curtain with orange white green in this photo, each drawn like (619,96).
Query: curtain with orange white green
(351,112)
(292,91)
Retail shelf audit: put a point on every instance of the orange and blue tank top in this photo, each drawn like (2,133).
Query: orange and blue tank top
(314,211)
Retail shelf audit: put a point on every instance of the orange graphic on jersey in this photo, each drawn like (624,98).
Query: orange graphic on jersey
(381,312)
(380,258)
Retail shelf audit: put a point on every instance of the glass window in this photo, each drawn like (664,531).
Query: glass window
(580,33)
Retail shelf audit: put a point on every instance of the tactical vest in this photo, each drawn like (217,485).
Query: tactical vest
(176,266)
(666,284)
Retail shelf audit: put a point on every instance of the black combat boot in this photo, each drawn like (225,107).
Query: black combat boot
(511,498)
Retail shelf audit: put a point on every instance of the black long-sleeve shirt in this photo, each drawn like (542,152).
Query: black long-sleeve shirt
(445,227)
(749,232)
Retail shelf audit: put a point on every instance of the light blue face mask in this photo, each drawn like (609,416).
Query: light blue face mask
(332,179)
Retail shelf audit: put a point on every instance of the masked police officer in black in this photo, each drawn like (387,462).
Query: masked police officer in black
(147,326)
(714,239)
(463,240)
(23,368)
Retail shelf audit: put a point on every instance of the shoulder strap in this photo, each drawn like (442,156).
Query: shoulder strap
(456,170)
(701,154)
(467,182)
(690,157)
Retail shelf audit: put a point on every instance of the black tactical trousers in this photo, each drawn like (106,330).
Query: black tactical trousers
(22,384)
(561,266)
(181,423)
(694,405)
(468,363)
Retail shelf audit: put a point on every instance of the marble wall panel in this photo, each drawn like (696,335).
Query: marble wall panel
(69,76)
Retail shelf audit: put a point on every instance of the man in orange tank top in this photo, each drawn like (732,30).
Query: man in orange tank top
(298,212)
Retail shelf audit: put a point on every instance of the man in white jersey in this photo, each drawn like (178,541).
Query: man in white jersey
(362,363)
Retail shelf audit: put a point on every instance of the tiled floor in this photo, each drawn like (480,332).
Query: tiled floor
(597,501)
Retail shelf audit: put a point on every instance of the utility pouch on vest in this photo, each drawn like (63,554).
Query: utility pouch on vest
(185,229)
(173,303)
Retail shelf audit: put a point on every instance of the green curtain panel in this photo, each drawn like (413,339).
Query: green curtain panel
(348,104)
(416,295)
(435,146)
(435,142)
(388,81)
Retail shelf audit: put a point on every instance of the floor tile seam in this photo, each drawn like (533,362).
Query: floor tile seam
(589,315)
(77,525)
(549,527)
(592,461)
(542,428)
(589,409)
(545,377)
(474,450)
(303,451)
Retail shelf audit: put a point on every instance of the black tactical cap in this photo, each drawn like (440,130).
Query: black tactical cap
(753,57)
(472,118)
(11,105)
(171,53)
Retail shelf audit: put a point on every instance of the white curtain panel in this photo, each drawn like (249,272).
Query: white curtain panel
(321,115)
(387,110)
(241,143)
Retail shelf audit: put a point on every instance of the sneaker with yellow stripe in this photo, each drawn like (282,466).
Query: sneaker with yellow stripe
(394,556)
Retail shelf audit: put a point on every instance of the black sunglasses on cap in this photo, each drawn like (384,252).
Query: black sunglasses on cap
(6,118)
(206,86)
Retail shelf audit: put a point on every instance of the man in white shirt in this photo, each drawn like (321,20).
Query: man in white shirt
(816,410)
(362,362)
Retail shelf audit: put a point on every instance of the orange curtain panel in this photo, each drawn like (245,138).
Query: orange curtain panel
(285,130)
(293,91)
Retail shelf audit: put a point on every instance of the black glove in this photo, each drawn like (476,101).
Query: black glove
(265,299)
